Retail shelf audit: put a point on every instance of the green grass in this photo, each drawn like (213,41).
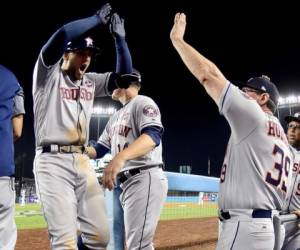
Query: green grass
(180,210)
(29,216)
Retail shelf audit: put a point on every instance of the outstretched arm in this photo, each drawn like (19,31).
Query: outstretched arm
(117,29)
(54,48)
(204,70)
(124,62)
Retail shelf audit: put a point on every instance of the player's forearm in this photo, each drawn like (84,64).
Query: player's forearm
(203,69)
(17,124)
(124,62)
(195,62)
(96,151)
(55,46)
(79,27)
(141,146)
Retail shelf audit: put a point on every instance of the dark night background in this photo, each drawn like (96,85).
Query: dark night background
(244,40)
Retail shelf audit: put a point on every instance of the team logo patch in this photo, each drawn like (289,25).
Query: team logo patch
(150,111)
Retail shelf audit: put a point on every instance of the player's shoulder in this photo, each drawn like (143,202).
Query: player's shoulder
(143,99)
(6,74)
(94,75)
(9,82)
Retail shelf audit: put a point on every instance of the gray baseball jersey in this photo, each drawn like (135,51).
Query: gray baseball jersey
(256,170)
(293,202)
(141,209)
(62,108)
(292,231)
(125,126)
(67,185)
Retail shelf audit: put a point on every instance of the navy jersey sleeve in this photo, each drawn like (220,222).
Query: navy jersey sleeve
(55,47)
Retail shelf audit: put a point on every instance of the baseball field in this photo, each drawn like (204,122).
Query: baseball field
(30,216)
(182,226)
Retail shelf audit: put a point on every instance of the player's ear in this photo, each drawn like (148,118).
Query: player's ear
(264,98)
(66,56)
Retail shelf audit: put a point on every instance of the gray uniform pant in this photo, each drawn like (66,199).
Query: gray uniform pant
(142,199)
(242,231)
(8,229)
(292,236)
(72,200)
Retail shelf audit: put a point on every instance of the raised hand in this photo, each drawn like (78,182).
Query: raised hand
(178,29)
(116,26)
(104,13)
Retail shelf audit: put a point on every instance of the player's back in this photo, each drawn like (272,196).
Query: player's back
(255,172)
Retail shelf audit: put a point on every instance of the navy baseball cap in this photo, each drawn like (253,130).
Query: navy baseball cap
(295,117)
(264,84)
(82,43)
(124,81)
(134,76)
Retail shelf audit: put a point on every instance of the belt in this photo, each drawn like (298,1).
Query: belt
(256,213)
(125,175)
(63,149)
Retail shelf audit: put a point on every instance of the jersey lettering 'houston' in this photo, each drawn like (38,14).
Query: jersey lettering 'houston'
(256,171)
(293,202)
(62,108)
(125,126)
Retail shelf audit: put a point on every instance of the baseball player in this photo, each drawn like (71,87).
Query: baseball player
(63,94)
(133,134)
(11,124)
(255,176)
(292,230)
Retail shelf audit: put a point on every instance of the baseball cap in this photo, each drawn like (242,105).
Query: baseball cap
(82,43)
(264,84)
(124,81)
(134,76)
(295,117)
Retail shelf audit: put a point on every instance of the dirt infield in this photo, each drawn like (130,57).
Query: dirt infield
(188,234)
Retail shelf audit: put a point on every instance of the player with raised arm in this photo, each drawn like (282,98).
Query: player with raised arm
(256,175)
(63,94)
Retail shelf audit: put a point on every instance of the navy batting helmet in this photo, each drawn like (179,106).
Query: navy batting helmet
(124,81)
(82,43)
(134,76)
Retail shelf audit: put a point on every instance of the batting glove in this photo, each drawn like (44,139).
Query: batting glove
(116,26)
(104,13)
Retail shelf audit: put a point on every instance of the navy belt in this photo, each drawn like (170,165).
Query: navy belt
(63,149)
(257,213)
(125,175)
